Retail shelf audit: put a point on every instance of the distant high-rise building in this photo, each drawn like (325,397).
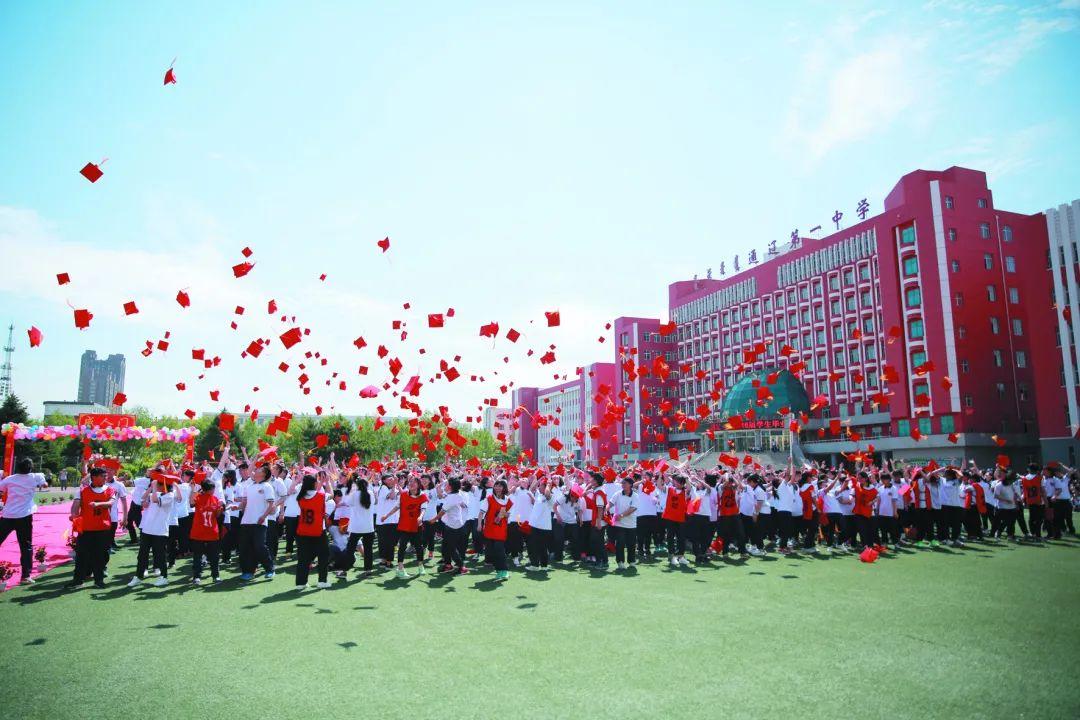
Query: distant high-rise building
(100,380)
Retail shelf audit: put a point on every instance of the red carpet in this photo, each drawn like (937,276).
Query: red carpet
(50,527)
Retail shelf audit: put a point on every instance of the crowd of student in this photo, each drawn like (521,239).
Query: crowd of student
(530,517)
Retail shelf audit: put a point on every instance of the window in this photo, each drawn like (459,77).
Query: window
(918,358)
(850,302)
(866,299)
(1014,296)
(871,352)
(948,202)
(964,366)
(998,361)
(1010,264)
(911,266)
(961,332)
(984,230)
(947,424)
(1000,389)
(924,425)
(968,401)
(913,297)
(991,293)
(1021,390)
(835,307)
(849,277)
(982,202)
(907,235)
(1021,359)
(915,329)
(1018,327)
(955,265)
(834,282)
(958,299)
(995,326)
(864,272)
(903,427)
(1006,233)
(988,261)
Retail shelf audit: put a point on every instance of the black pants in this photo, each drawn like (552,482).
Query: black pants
(973,523)
(514,539)
(496,553)
(112,536)
(889,529)
(387,534)
(1006,521)
(699,531)
(1021,521)
(91,554)
(922,524)
(307,549)
(157,543)
(834,530)
(988,518)
(290,533)
(783,526)
(455,541)
(173,544)
(751,529)
(676,537)
(767,528)
(809,528)
(427,529)
(368,540)
(538,542)
(134,517)
(24,535)
(1036,514)
(731,532)
(253,550)
(953,515)
(404,539)
(646,532)
(597,545)
(625,544)
(273,537)
(183,543)
(1063,519)
(867,532)
(231,541)
(212,550)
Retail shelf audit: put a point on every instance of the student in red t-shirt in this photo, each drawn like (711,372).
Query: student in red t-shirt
(674,517)
(863,510)
(410,506)
(494,512)
(205,531)
(92,507)
(312,542)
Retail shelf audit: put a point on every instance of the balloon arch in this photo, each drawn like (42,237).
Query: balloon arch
(96,428)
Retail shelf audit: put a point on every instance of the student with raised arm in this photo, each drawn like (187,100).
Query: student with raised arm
(92,551)
(674,516)
(409,508)
(157,512)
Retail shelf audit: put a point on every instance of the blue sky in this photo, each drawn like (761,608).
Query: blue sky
(521,157)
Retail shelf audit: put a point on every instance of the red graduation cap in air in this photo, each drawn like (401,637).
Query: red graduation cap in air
(35,336)
(83,318)
(92,172)
(552,318)
(119,399)
(384,244)
(170,76)
(62,278)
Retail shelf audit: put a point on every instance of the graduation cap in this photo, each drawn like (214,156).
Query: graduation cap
(226,422)
(435,320)
(489,330)
(553,318)
(384,244)
(290,337)
(242,269)
(130,308)
(183,299)
(62,278)
(512,335)
(92,172)
(35,336)
(119,399)
(170,76)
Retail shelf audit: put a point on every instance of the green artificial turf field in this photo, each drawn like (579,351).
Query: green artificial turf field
(988,631)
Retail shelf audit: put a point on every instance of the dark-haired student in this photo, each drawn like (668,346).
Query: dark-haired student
(361,520)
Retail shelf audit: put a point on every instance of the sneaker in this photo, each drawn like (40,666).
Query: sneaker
(420,571)
(27,581)
(196,581)
(531,568)
(935,544)
(446,567)
(632,564)
(517,562)
(674,562)
(502,575)
(463,571)
(161,582)
(246,576)
(401,573)
(755,552)
(156,572)
(217,580)
(99,585)
(323,585)
(134,582)
(620,566)
(684,562)
(269,575)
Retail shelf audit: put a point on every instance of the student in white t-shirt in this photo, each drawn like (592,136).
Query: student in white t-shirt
(119,510)
(519,512)
(18,512)
(539,519)
(648,520)
(256,505)
(157,514)
(566,533)
(454,514)
(361,506)
(623,508)
(386,518)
